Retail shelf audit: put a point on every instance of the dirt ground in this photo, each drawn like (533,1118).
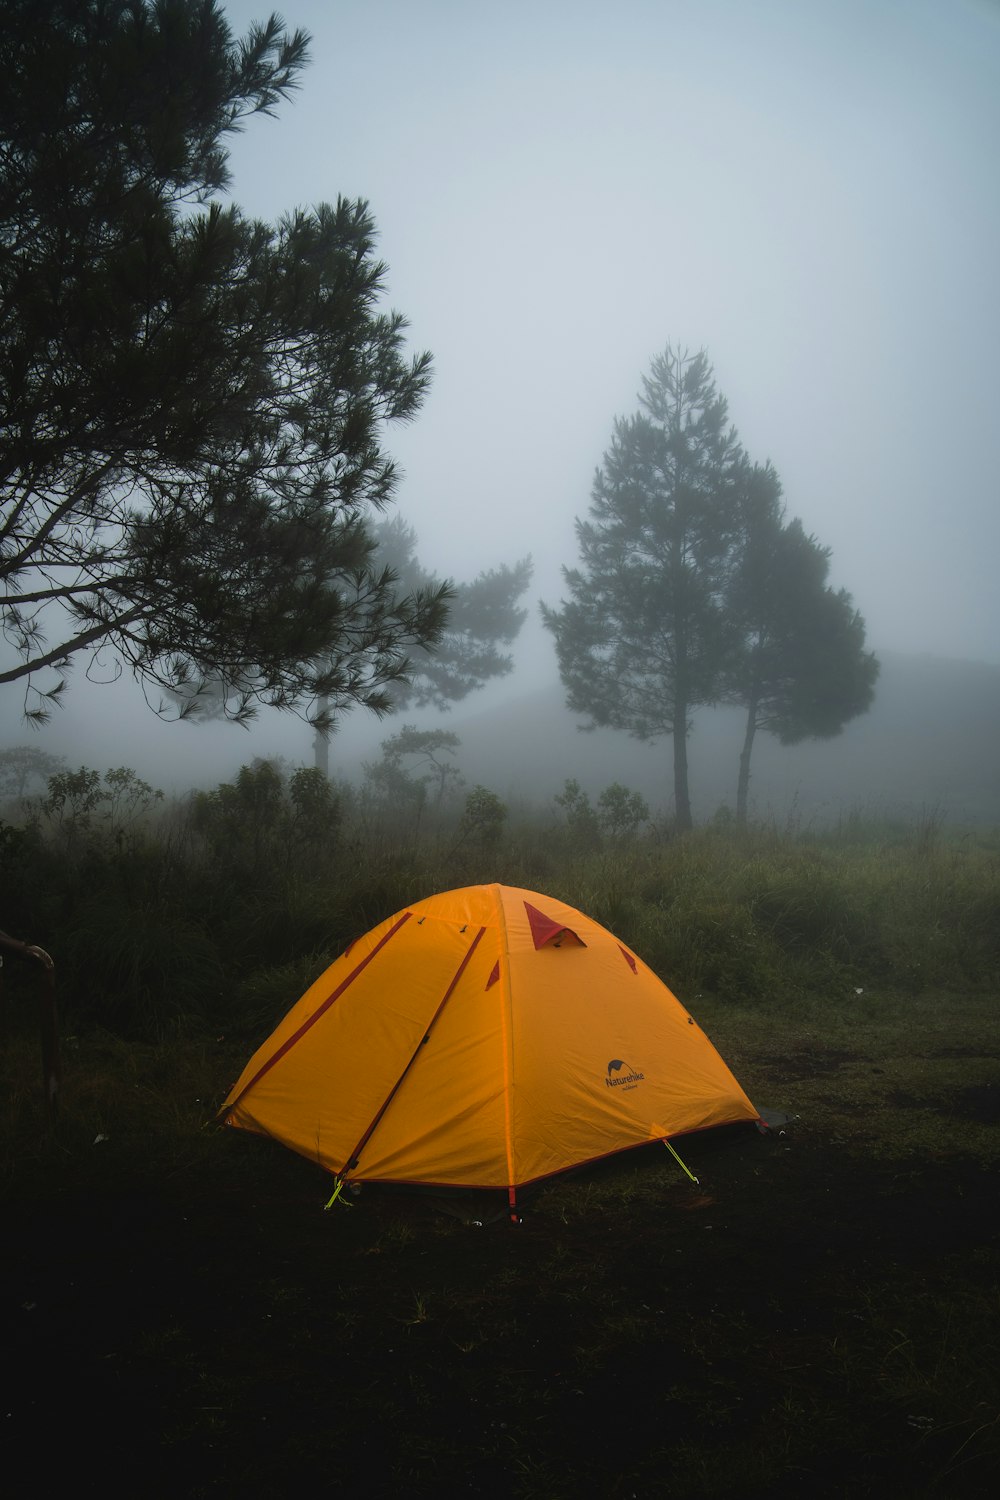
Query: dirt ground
(805,1321)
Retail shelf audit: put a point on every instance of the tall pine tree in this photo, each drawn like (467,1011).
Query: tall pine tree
(644,636)
(192,403)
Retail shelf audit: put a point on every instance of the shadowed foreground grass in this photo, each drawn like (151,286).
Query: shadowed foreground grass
(816,1316)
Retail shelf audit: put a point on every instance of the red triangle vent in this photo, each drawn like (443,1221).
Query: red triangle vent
(494,975)
(545,930)
(628,959)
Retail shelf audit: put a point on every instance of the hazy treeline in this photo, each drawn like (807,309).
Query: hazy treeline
(217,910)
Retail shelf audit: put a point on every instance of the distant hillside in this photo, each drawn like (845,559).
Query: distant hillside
(929,745)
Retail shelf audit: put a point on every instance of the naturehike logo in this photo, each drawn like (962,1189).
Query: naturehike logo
(630,1079)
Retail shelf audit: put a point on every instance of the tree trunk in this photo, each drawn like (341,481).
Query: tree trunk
(321,752)
(682,798)
(743,781)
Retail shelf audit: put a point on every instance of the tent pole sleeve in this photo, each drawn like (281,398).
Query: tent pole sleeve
(311,1020)
(352,1160)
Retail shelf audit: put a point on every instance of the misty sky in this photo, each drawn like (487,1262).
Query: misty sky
(807,189)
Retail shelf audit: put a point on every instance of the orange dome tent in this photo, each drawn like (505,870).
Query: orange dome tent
(483,1038)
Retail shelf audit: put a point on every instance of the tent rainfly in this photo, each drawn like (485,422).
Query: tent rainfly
(483,1038)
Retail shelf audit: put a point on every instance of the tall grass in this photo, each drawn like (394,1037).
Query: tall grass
(192,925)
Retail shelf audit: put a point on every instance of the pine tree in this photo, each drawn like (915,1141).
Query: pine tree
(644,637)
(192,403)
(477,619)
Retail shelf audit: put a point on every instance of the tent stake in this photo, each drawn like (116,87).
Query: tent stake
(677,1159)
(336,1194)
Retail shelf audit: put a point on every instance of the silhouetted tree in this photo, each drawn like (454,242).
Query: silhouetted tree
(192,402)
(799,664)
(416,758)
(644,636)
(479,618)
(482,616)
(23,764)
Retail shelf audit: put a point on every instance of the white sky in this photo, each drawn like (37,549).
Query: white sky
(808,189)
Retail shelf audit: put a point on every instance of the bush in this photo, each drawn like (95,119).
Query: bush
(484,817)
(621,813)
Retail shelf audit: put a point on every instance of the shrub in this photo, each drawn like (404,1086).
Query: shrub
(581,820)
(621,813)
(484,817)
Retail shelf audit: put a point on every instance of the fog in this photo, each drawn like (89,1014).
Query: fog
(808,191)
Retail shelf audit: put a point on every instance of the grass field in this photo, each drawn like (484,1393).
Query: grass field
(816,1316)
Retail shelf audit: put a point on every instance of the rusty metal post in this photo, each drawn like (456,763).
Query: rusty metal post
(51,1076)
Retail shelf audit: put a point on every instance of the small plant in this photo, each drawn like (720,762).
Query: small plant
(581,820)
(621,813)
(484,817)
(395,1236)
(419,1314)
